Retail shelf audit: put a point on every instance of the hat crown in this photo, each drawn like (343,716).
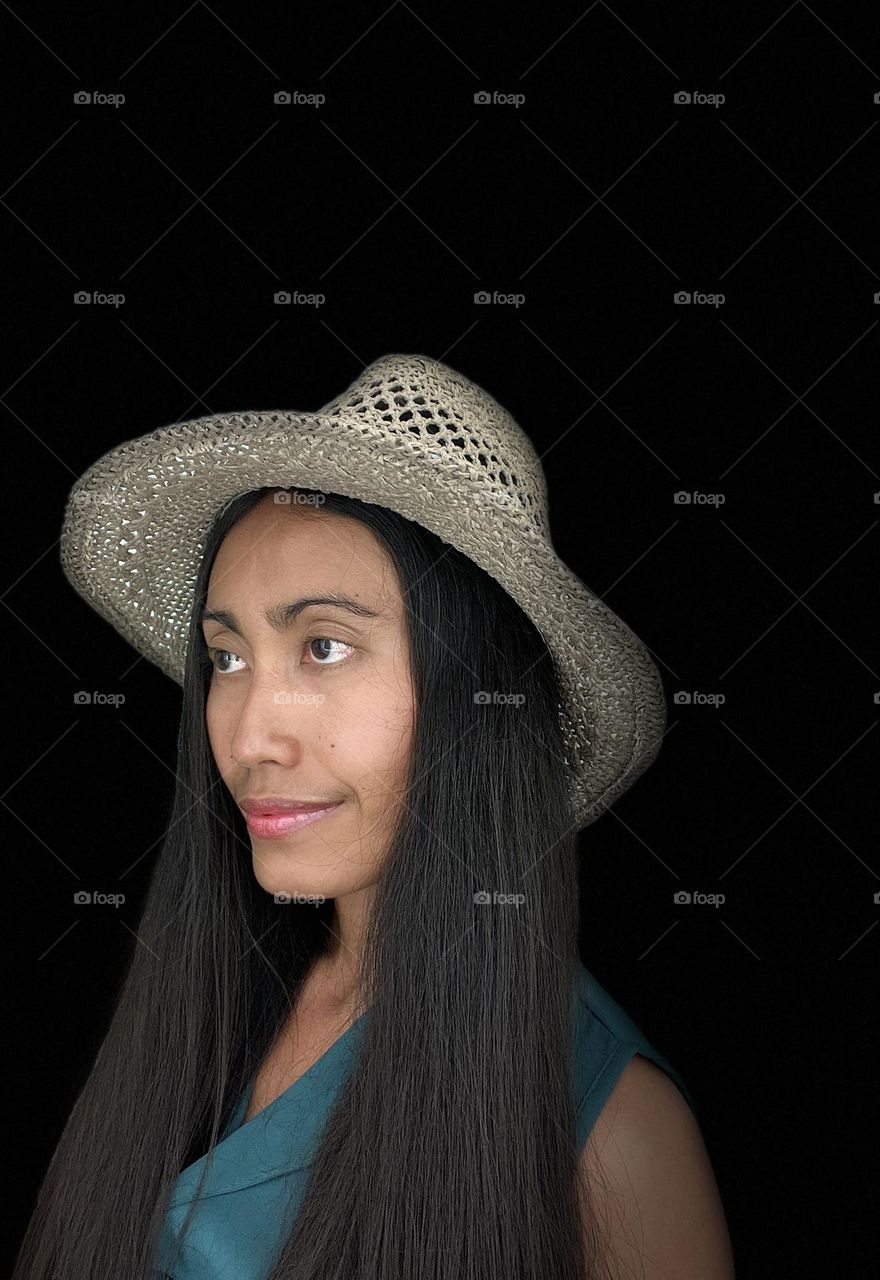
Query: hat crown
(455,420)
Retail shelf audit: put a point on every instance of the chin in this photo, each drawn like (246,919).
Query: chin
(277,872)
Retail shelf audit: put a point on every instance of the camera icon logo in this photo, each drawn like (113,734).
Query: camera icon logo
(81,698)
(877,899)
(281,897)
(282,298)
(682,897)
(81,298)
(681,97)
(482,97)
(482,898)
(81,97)
(81,898)
(681,698)
(681,298)
(282,97)
(482,297)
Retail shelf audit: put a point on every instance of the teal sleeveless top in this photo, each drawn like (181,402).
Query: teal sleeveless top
(258,1176)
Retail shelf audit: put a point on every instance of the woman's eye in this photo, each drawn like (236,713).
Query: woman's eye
(324,644)
(215,654)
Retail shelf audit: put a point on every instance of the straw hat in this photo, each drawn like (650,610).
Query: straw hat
(409,434)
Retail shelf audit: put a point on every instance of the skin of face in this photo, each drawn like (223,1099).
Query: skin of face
(321,710)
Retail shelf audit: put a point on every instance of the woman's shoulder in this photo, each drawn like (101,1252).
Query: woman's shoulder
(653,1197)
(604,1040)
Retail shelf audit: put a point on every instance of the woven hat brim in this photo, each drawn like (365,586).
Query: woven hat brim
(134,533)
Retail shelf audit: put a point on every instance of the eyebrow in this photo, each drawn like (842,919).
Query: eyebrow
(282,616)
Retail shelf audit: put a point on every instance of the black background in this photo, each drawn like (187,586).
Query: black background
(597,198)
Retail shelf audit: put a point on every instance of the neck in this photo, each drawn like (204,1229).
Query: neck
(336,972)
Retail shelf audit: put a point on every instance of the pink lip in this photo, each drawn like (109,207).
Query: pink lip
(271,826)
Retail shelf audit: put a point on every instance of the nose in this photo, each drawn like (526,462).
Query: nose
(273,723)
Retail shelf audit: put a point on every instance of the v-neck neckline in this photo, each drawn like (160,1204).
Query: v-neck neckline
(238,1124)
(281,1138)
(284,1137)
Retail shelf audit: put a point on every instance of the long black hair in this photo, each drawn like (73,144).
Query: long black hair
(450,1152)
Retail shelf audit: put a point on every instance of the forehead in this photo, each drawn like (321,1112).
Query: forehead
(278,548)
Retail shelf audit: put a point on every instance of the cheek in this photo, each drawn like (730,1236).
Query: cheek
(370,744)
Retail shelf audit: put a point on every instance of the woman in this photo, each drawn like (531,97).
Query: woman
(356,1039)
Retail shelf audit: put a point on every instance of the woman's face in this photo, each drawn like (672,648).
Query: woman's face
(317,708)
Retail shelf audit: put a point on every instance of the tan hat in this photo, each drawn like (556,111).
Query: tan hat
(409,434)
